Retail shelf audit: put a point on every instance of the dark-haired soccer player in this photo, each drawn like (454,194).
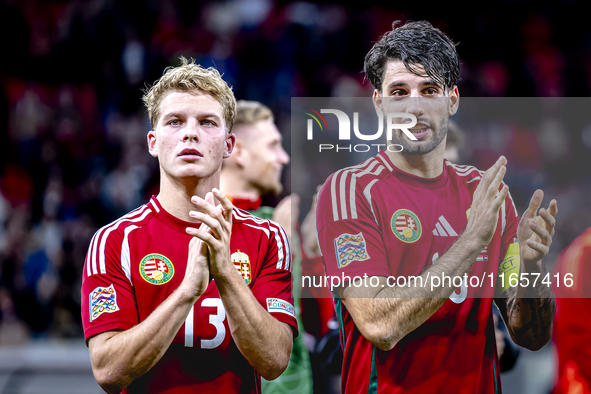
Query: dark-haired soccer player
(153,319)
(414,213)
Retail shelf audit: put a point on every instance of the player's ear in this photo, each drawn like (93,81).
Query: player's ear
(239,154)
(454,100)
(377,101)
(229,144)
(152,143)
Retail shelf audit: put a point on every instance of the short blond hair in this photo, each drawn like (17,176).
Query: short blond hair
(186,78)
(251,112)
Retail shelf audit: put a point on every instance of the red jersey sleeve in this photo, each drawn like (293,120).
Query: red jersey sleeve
(108,300)
(273,285)
(572,336)
(349,237)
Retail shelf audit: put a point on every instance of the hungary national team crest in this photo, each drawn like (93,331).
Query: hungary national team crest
(156,269)
(242,264)
(406,226)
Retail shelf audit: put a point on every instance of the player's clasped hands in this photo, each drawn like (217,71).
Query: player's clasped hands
(487,201)
(215,230)
(197,273)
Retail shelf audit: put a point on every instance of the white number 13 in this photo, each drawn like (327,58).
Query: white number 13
(216,320)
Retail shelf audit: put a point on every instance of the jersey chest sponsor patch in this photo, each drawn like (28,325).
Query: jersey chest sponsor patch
(406,226)
(349,248)
(242,264)
(103,300)
(156,269)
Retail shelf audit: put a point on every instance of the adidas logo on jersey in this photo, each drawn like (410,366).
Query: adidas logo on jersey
(443,228)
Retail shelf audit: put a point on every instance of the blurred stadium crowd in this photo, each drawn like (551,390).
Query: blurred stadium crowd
(73,127)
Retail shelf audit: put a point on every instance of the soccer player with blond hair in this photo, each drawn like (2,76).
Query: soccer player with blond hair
(188,293)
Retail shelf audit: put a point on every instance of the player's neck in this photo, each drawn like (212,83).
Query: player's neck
(429,165)
(235,185)
(175,195)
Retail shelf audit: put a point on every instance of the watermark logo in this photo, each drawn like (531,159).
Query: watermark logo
(344,133)
(315,117)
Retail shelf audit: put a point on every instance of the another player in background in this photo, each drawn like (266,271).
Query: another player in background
(154,319)
(253,171)
(572,330)
(454,142)
(415,214)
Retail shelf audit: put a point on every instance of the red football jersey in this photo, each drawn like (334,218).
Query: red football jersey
(572,323)
(377,220)
(136,262)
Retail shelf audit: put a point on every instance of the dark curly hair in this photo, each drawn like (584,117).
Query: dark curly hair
(414,43)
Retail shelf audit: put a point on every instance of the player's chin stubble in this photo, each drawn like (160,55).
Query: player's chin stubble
(270,184)
(274,188)
(417,148)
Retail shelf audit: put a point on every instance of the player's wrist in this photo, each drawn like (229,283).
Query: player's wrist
(476,236)
(225,273)
(189,292)
(530,265)
(472,241)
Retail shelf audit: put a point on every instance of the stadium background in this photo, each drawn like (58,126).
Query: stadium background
(73,129)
